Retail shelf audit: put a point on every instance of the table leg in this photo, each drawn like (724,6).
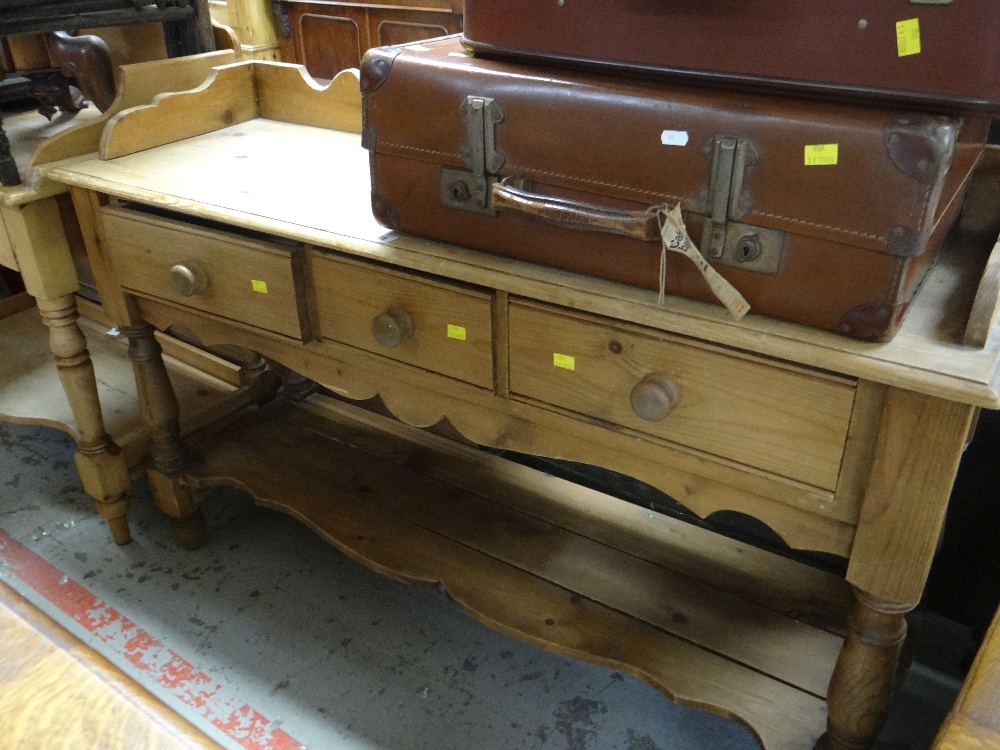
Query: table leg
(294,387)
(160,412)
(99,461)
(864,679)
(919,445)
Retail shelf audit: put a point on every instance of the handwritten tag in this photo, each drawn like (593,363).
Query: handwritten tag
(564,361)
(676,239)
(456,332)
(822,155)
(259,286)
(908,37)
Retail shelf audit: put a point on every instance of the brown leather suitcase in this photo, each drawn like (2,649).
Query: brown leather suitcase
(817,213)
(923,52)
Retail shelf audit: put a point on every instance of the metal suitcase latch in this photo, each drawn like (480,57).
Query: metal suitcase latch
(725,203)
(470,190)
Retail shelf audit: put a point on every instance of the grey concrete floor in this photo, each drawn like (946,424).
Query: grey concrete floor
(337,657)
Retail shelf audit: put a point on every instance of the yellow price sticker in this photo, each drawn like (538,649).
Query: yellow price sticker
(564,361)
(259,286)
(456,332)
(822,154)
(908,37)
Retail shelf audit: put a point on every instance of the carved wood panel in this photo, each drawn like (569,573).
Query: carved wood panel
(327,37)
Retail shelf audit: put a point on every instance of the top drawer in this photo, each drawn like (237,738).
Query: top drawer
(783,420)
(248,280)
(440,326)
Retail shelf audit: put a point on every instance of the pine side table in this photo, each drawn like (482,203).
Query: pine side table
(241,210)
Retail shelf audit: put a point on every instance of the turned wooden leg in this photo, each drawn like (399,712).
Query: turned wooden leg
(189,530)
(864,679)
(917,451)
(297,388)
(99,461)
(294,387)
(160,412)
(261,377)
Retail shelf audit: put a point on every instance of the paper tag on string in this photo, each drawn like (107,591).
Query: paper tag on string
(676,239)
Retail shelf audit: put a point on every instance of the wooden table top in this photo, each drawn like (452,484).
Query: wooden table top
(28,130)
(312,184)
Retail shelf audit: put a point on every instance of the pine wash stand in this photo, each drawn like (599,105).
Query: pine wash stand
(241,211)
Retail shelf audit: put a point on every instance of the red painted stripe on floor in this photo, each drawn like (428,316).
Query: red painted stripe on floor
(187,684)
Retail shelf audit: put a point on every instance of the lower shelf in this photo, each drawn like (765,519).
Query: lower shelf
(551,563)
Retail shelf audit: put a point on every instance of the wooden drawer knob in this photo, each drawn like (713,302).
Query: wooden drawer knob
(392,327)
(654,397)
(188,278)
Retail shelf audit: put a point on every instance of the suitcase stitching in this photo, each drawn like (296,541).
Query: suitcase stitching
(636,190)
(652,193)
(821,226)
(526,170)
(679,198)
(922,207)
(421,150)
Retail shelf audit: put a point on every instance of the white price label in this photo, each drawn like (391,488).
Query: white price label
(674,138)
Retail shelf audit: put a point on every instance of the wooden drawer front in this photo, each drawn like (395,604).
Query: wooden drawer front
(349,295)
(789,422)
(248,280)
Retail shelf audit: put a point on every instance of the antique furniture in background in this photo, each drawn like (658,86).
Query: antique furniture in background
(186,26)
(52,62)
(186,23)
(839,446)
(46,67)
(254,25)
(38,230)
(328,37)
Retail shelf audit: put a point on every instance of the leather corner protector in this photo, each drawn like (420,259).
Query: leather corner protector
(375,67)
(385,213)
(905,242)
(874,323)
(922,146)
(369,138)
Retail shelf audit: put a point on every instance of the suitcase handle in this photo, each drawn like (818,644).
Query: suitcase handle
(570,214)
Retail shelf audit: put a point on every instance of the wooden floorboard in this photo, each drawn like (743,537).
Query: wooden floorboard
(56,692)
